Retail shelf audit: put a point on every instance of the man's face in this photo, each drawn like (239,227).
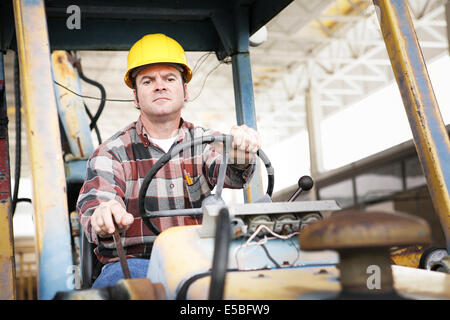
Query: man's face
(160,91)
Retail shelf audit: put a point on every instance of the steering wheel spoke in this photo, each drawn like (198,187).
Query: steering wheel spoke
(194,212)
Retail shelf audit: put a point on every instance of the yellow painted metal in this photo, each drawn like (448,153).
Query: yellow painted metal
(275,284)
(7,271)
(336,9)
(318,283)
(71,108)
(408,257)
(49,194)
(179,253)
(420,102)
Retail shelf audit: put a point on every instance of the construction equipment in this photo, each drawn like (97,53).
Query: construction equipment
(231,255)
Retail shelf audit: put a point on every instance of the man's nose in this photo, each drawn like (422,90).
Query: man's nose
(160,85)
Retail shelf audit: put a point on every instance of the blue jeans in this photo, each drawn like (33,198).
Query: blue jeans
(112,272)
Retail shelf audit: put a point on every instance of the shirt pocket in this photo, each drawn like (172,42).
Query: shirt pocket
(197,191)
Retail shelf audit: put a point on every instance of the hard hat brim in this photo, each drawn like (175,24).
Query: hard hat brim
(187,72)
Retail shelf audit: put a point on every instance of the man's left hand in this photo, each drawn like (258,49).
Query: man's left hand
(246,142)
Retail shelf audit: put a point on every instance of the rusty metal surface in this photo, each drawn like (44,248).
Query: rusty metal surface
(427,126)
(71,108)
(49,186)
(358,229)
(407,256)
(363,241)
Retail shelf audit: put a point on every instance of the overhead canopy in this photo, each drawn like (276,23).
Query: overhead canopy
(199,25)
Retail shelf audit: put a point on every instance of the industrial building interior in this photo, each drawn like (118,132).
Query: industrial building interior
(315,66)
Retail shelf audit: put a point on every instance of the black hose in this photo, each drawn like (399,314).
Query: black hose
(94,119)
(102,101)
(97,131)
(18,135)
(220,257)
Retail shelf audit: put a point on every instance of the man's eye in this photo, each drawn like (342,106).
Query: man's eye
(171,79)
(146,82)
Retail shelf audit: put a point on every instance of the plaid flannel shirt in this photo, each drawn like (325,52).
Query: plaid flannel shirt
(116,171)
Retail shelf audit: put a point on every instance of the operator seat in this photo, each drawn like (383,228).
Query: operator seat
(90,266)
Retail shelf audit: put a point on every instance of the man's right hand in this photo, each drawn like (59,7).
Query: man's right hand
(102,218)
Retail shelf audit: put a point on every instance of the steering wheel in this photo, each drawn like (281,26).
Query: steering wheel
(227,140)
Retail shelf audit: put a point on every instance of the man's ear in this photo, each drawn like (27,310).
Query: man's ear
(136,99)
(186,95)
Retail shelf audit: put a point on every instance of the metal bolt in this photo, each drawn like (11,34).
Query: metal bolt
(363,240)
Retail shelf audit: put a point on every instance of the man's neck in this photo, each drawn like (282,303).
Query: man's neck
(158,129)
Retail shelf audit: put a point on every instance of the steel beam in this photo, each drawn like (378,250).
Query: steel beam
(313,120)
(427,126)
(243,92)
(7,265)
(49,186)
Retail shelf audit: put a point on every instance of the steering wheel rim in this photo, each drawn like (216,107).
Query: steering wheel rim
(176,150)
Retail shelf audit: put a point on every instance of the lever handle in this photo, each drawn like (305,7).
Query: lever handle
(305,183)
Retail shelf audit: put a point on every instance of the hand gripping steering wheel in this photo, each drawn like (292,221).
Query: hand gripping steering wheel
(227,140)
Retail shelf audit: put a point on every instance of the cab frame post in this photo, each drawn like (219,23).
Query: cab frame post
(427,126)
(51,218)
(243,92)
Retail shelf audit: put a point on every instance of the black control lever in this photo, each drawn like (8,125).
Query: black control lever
(305,183)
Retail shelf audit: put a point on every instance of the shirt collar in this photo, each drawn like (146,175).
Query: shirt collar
(143,135)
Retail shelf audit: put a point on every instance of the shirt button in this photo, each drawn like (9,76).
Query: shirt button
(172,185)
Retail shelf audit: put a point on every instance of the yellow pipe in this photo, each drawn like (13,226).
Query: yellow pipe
(430,136)
(49,194)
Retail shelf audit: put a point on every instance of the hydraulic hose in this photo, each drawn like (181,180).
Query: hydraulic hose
(18,135)
(102,101)
(97,131)
(93,125)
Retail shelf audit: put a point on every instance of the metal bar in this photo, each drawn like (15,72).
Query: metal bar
(243,92)
(313,119)
(49,186)
(429,133)
(195,212)
(121,253)
(7,263)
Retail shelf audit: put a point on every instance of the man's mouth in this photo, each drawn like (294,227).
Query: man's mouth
(160,98)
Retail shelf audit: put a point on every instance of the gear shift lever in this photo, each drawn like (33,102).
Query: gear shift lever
(305,183)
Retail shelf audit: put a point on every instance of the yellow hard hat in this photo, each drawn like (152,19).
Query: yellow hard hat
(156,48)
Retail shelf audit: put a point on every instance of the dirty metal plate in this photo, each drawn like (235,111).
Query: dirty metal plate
(211,212)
